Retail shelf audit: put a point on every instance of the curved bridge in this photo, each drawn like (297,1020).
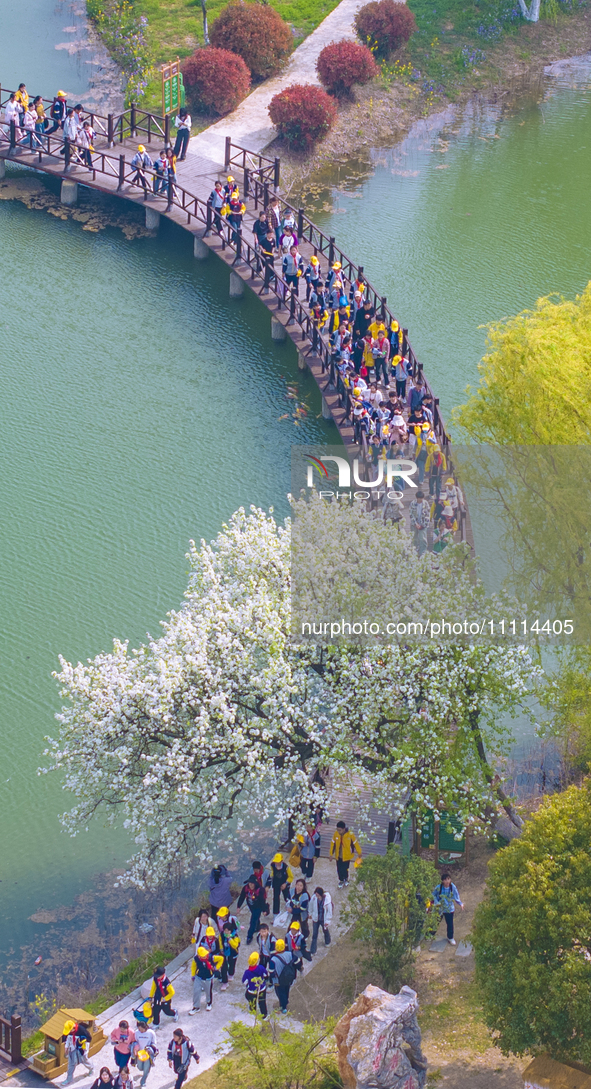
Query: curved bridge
(116,141)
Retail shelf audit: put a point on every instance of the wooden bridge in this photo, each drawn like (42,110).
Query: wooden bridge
(116,141)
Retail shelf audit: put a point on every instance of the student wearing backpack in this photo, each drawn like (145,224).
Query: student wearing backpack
(321,916)
(230,939)
(255,981)
(180,1052)
(77,1042)
(144,1051)
(162,993)
(446,896)
(256,901)
(203,968)
(279,879)
(283,971)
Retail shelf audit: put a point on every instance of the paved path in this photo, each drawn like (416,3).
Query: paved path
(249,125)
(205,1030)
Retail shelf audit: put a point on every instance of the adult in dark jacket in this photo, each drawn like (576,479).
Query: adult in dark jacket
(283,972)
(179,1054)
(256,903)
(220,894)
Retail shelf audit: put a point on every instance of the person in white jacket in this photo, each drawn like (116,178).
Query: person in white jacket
(11,113)
(321,915)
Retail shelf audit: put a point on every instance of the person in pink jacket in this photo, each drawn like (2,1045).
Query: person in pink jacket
(123,1039)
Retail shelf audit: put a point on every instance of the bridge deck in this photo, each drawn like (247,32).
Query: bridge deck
(195,180)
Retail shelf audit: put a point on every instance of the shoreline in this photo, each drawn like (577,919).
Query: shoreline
(381,114)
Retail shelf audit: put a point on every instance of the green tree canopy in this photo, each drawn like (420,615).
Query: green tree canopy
(532,933)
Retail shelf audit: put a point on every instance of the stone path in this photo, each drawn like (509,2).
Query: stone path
(205,1030)
(249,125)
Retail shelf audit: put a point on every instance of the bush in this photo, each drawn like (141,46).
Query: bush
(388,910)
(257,33)
(279,1057)
(531,933)
(302,113)
(341,64)
(384,25)
(216,80)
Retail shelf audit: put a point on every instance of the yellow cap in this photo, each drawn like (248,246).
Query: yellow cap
(278,857)
(61,94)
(295,925)
(449,480)
(394,326)
(69,1025)
(141,147)
(210,932)
(253,959)
(280,946)
(201,952)
(313,260)
(223,911)
(142,1055)
(337,265)
(230,178)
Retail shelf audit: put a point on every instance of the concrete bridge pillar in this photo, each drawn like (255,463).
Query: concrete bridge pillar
(277,330)
(326,413)
(302,362)
(236,286)
(152,218)
(200,248)
(2,168)
(69,193)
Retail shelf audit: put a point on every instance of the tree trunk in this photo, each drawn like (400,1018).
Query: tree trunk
(488,772)
(206,28)
(532,14)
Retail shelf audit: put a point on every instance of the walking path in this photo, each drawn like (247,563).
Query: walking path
(249,124)
(205,1030)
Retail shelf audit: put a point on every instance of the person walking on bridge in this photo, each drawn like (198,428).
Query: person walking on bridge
(141,162)
(58,112)
(183,126)
(170,176)
(22,99)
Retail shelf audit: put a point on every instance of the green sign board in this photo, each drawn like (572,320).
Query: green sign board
(173,92)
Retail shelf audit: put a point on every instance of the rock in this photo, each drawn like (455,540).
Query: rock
(379,1042)
(506,829)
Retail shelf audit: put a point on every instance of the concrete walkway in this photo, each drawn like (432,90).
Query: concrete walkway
(249,125)
(205,1030)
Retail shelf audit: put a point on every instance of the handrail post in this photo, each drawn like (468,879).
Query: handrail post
(132,118)
(166,130)
(383,313)
(266,195)
(292,307)
(330,252)
(67,153)
(15,1039)
(246,183)
(300,223)
(208,218)
(110,133)
(121,172)
(228,153)
(12,134)
(276,173)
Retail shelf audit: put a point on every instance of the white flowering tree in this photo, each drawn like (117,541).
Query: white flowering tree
(218,725)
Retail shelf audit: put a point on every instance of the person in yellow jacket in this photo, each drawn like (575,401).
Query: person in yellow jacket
(279,879)
(162,993)
(344,846)
(435,467)
(204,967)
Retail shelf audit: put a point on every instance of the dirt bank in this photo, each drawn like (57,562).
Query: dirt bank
(381,113)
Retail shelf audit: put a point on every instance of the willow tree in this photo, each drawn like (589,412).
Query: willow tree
(220,723)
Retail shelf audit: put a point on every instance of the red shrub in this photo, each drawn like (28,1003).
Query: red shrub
(302,113)
(384,25)
(257,33)
(216,80)
(341,64)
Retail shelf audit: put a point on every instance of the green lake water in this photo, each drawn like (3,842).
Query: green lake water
(140,406)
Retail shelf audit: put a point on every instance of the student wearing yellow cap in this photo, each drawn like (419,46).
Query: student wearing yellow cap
(279,879)
(255,981)
(77,1042)
(140,163)
(203,968)
(283,971)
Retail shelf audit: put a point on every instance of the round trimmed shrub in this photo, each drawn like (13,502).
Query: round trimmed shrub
(384,25)
(257,33)
(216,80)
(341,64)
(302,113)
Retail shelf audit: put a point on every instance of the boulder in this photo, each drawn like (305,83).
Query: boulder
(379,1042)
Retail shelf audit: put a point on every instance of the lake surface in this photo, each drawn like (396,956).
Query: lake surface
(140,407)
(128,376)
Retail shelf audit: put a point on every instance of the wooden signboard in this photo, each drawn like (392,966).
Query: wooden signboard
(173,92)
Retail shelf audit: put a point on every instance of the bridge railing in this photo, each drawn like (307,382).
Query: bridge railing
(117,127)
(245,253)
(252,164)
(10,1038)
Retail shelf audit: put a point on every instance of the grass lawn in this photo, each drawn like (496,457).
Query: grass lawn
(175,28)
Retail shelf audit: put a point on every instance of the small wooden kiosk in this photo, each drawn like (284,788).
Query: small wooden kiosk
(546,1073)
(52,1061)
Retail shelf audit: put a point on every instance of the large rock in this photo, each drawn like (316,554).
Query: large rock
(379,1042)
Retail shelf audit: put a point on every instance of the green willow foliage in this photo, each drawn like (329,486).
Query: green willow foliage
(263,1057)
(387,910)
(124,34)
(532,934)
